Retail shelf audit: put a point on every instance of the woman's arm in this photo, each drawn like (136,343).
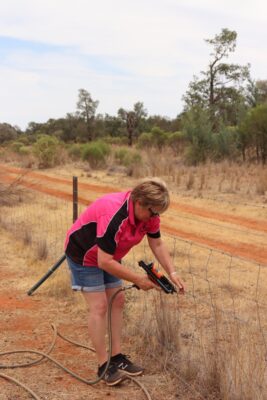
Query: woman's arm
(162,254)
(113,267)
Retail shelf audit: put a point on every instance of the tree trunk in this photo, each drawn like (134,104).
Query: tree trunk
(130,137)
(212,100)
(263,154)
(130,123)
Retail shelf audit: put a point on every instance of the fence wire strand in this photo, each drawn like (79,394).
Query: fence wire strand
(216,334)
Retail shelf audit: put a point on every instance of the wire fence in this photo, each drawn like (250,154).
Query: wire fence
(214,339)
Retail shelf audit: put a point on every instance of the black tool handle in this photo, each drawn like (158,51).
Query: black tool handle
(49,272)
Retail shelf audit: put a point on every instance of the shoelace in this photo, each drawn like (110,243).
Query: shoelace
(112,369)
(125,358)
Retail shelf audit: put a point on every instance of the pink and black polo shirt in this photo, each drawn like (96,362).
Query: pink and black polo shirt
(108,224)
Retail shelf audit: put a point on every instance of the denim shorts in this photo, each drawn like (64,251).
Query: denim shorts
(91,279)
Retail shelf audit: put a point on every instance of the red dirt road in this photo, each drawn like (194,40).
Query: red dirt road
(26,321)
(61,188)
(26,324)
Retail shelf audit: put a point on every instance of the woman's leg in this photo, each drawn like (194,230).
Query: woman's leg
(97,304)
(116,318)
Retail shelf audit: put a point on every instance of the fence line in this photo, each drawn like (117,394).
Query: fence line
(221,324)
(232,228)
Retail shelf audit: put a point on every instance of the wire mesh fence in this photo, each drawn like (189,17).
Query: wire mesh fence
(214,339)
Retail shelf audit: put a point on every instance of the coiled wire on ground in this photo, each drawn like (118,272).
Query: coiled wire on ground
(46,356)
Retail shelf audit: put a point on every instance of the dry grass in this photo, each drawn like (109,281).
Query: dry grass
(224,177)
(42,249)
(11,194)
(261,183)
(190,181)
(214,338)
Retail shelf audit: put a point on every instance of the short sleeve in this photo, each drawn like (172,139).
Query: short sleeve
(153,230)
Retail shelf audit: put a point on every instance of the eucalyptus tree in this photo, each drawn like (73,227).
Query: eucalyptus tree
(221,87)
(253,132)
(133,120)
(7,132)
(257,92)
(261,87)
(86,108)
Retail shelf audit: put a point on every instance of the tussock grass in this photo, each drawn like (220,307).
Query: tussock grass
(42,249)
(261,183)
(225,177)
(27,237)
(190,181)
(214,338)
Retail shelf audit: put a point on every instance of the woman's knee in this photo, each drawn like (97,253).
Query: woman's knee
(99,308)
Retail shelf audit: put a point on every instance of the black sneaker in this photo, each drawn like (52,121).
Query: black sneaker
(124,364)
(112,376)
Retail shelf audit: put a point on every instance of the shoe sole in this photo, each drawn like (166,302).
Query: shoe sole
(115,383)
(132,373)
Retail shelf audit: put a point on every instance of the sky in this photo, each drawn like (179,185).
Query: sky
(120,51)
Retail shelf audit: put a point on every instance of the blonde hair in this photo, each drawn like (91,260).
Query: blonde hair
(152,192)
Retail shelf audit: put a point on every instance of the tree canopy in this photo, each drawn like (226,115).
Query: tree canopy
(220,89)
(86,108)
(133,120)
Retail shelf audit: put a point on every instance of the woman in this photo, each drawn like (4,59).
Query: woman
(95,244)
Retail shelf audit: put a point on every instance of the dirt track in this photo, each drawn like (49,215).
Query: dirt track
(25,321)
(245,245)
(26,324)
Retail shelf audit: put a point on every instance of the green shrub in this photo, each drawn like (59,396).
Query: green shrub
(176,140)
(75,151)
(127,157)
(120,154)
(145,140)
(119,140)
(15,146)
(46,149)
(105,148)
(159,137)
(24,150)
(224,144)
(155,138)
(23,138)
(135,158)
(198,132)
(95,153)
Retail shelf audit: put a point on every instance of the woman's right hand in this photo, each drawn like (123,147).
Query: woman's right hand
(144,283)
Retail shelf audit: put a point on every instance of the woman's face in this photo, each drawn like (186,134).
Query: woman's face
(144,213)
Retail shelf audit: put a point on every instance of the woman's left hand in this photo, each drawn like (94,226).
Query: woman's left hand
(178,282)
